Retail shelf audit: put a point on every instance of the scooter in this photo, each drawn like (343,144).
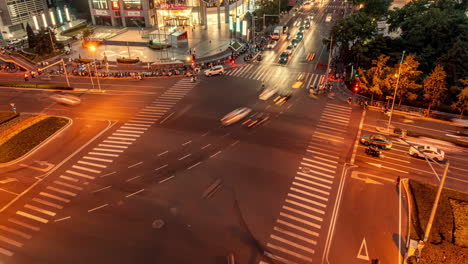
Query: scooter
(374,151)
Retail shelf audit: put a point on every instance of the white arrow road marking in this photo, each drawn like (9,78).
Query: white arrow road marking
(363,255)
(385,167)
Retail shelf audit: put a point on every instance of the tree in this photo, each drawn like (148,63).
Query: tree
(376,8)
(434,86)
(373,80)
(407,86)
(31,36)
(44,44)
(462,103)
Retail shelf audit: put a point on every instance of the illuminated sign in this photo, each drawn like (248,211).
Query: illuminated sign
(172,6)
(115,5)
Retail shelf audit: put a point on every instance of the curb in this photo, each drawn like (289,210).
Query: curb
(37,147)
(373,108)
(409,202)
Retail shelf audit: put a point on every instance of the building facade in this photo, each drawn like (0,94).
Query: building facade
(16,14)
(150,13)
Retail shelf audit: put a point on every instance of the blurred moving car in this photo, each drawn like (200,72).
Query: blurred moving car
(272,44)
(328,18)
(377,140)
(429,151)
(299,36)
(289,50)
(284,57)
(219,69)
(235,116)
(282,97)
(65,99)
(301,29)
(294,42)
(307,25)
(311,16)
(256,119)
(265,95)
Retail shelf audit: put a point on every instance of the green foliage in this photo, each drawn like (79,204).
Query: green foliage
(158,46)
(31,36)
(37,85)
(462,99)
(269,8)
(46,42)
(376,8)
(74,30)
(6,116)
(30,138)
(434,86)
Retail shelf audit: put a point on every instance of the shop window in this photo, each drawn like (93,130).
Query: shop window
(100,4)
(132,5)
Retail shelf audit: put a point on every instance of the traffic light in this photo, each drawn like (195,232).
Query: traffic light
(356,87)
(356,74)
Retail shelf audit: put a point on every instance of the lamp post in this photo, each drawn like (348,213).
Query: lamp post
(394,93)
(93,50)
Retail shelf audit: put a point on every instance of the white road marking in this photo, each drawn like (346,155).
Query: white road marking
(309,194)
(61,191)
(21,223)
(86,169)
(62,219)
(37,200)
(133,178)
(11,241)
(162,121)
(188,142)
(92,164)
(136,164)
(321,163)
(215,154)
(163,166)
(300,220)
(319,167)
(310,188)
(320,219)
(108,150)
(285,241)
(16,232)
(134,128)
(69,185)
(289,252)
(102,189)
(206,146)
(193,166)
(162,153)
(312,182)
(40,210)
(121,138)
(97,208)
(118,142)
(322,154)
(97,159)
(130,131)
(168,178)
(68,178)
(188,155)
(135,193)
(125,135)
(80,174)
(33,217)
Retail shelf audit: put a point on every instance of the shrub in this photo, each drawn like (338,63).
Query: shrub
(29,138)
(39,86)
(448,139)
(85,61)
(73,29)
(6,116)
(127,61)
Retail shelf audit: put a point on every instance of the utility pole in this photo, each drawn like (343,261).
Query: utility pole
(329,57)
(436,203)
(394,93)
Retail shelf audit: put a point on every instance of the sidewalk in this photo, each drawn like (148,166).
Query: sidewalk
(203,42)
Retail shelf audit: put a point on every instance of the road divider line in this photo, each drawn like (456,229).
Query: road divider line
(188,142)
(194,165)
(167,117)
(212,156)
(97,208)
(135,193)
(166,179)
(133,178)
(206,146)
(62,219)
(163,166)
(136,164)
(162,153)
(102,189)
(186,156)
(108,174)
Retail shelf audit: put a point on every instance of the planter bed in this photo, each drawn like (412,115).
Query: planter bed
(29,138)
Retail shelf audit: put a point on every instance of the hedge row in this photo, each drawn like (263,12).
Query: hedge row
(6,116)
(18,128)
(37,85)
(30,138)
(127,61)
(159,46)
(76,28)
(448,240)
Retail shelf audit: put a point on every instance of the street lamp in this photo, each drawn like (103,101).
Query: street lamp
(93,49)
(394,93)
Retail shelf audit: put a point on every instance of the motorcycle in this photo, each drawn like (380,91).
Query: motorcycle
(374,151)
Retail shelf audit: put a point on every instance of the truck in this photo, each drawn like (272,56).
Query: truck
(277,33)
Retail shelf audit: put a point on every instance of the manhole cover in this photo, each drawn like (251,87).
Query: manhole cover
(158,223)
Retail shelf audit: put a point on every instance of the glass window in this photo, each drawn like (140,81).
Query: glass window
(132,5)
(100,4)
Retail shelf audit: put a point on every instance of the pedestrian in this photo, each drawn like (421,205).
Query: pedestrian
(398,181)
(26,77)
(33,74)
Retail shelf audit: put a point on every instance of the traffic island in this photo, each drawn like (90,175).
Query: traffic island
(25,133)
(448,239)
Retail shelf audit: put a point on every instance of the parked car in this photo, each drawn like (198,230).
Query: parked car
(235,116)
(377,140)
(428,151)
(256,119)
(215,70)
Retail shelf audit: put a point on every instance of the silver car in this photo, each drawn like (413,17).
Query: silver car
(235,116)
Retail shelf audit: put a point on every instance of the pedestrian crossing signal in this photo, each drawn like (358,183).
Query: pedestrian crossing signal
(356,87)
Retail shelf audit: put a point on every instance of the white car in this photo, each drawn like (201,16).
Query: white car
(265,95)
(215,70)
(235,116)
(66,99)
(311,16)
(328,18)
(427,150)
(272,44)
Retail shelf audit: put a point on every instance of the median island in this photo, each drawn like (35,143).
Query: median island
(21,133)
